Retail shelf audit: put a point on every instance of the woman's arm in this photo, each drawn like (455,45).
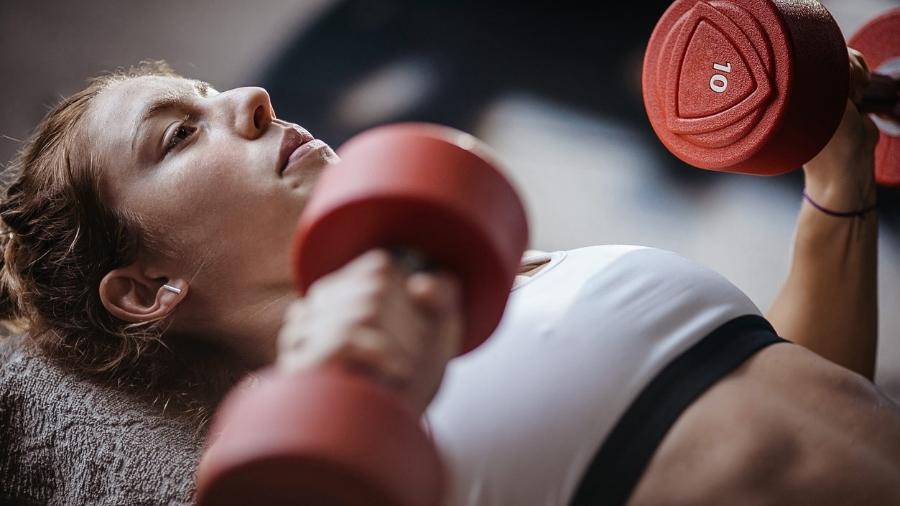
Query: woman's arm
(829,302)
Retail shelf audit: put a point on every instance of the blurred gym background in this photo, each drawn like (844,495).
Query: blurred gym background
(553,87)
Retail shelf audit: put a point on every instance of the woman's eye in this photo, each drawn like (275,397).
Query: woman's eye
(182,132)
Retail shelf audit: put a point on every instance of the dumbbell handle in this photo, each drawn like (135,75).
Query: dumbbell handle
(881,95)
(411,260)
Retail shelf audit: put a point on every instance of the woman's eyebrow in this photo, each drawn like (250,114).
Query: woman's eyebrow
(164,103)
(203,88)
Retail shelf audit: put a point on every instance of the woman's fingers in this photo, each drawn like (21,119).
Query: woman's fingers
(299,347)
(384,336)
(373,352)
(440,295)
(435,292)
(362,348)
(859,75)
(290,336)
(376,318)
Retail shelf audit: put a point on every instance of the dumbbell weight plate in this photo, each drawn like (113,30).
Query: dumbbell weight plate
(321,437)
(879,42)
(745,86)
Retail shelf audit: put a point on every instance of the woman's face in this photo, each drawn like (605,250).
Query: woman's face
(202,171)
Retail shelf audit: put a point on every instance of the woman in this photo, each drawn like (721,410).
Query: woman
(147,260)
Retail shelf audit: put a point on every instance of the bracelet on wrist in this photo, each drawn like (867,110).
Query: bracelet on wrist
(839,214)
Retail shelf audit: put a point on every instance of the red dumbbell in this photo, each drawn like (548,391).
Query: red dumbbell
(879,42)
(759,86)
(333,437)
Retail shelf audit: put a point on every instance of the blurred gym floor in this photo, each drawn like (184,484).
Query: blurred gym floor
(553,88)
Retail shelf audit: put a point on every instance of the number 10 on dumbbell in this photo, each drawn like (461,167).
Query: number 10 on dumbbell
(719,83)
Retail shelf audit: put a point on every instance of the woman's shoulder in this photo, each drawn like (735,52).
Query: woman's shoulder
(70,440)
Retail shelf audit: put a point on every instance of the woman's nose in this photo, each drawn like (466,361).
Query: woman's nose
(253,111)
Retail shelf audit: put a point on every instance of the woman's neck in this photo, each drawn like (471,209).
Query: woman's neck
(251,332)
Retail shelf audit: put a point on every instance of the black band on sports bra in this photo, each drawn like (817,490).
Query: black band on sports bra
(624,455)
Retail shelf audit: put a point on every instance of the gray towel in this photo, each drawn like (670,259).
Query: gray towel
(69,441)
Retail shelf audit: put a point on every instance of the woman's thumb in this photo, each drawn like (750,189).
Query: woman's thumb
(438,292)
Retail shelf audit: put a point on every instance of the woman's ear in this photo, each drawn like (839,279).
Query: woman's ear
(130,295)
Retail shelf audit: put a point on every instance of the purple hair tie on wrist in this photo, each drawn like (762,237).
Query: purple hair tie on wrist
(849,214)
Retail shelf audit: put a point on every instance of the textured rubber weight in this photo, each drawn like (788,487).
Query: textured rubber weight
(751,86)
(323,437)
(879,42)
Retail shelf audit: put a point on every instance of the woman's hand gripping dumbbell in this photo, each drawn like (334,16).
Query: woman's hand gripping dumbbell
(400,328)
(841,178)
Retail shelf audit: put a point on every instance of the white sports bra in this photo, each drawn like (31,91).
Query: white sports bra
(519,419)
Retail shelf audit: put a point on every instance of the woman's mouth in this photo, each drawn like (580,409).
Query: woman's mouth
(301,155)
(292,138)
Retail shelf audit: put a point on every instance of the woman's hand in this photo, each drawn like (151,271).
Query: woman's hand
(842,176)
(374,318)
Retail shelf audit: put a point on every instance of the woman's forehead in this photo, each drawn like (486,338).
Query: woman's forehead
(116,112)
(136,93)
